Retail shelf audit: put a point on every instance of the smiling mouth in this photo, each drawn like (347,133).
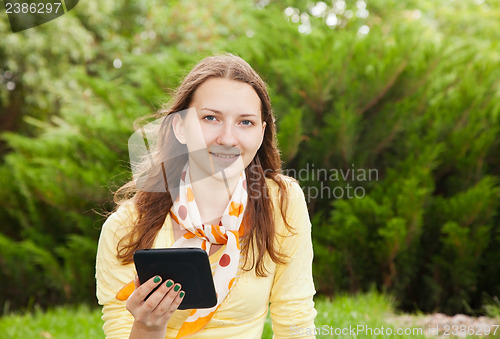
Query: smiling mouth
(225,156)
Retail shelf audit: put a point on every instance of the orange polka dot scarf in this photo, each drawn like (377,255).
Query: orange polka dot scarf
(185,212)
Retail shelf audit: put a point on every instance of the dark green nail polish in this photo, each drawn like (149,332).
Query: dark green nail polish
(170,283)
(177,287)
(156,279)
(181,294)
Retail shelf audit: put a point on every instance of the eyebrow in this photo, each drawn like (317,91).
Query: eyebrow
(213,110)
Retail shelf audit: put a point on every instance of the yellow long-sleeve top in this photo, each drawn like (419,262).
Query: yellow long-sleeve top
(288,288)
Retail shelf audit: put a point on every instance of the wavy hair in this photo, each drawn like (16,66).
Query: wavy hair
(152,205)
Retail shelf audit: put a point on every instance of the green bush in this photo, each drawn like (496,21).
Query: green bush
(406,99)
(416,101)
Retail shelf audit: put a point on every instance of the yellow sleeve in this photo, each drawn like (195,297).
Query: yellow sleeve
(292,305)
(111,275)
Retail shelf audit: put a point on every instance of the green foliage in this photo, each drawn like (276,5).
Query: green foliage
(62,169)
(416,100)
(406,116)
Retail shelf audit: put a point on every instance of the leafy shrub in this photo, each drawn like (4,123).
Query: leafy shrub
(407,95)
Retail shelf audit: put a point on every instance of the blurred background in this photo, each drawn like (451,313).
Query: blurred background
(409,89)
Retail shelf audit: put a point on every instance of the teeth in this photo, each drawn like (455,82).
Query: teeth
(227,156)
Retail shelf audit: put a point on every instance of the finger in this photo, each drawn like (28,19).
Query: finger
(174,305)
(137,283)
(155,300)
(178,300)
(137,298)
(171,301)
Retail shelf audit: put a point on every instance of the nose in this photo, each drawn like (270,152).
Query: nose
(227,136)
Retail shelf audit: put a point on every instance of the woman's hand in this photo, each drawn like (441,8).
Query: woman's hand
(151,315)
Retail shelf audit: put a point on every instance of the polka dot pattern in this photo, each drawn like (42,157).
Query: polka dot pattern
(190,194)
(182,212)
(224,260)
(185,212)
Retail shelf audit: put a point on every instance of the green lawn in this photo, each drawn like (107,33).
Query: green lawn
(63,322)
(345,313)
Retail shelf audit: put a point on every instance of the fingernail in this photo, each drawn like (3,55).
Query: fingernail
(181,294)
(177,287)
(169,283)
(156,279)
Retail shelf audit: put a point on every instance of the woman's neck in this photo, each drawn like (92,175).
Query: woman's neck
(212,196)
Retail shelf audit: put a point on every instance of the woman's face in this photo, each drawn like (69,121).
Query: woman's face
(223,128)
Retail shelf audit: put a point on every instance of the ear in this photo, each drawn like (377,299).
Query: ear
(263,133)
(178,127)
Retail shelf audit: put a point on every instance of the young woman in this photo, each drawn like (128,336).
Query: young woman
(212,181)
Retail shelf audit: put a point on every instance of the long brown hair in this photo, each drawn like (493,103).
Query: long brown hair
(153,205)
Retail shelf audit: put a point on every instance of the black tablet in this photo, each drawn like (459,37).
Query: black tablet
(188,266)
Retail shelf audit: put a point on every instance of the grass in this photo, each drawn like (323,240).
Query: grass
(365,315)
(79,322)
(371,310)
